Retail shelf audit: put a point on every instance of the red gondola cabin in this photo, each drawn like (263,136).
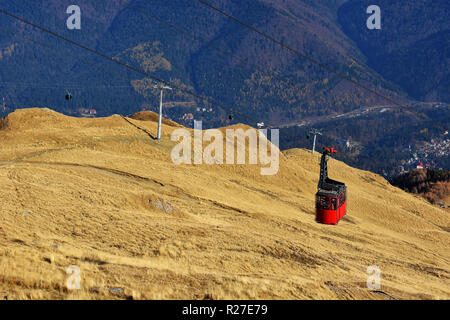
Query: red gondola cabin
(331,197)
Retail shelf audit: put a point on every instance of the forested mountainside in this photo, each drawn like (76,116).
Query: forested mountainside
(194,47)
(412,49)
(260,79)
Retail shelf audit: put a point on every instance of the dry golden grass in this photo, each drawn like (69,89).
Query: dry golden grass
(82,192)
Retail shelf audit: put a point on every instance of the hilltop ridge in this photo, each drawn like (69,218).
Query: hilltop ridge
(102,195)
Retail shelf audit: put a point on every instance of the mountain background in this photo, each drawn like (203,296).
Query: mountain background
(407,61)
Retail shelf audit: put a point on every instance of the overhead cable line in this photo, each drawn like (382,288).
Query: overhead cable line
(222,51)
(208,44)
(65,52)
(297,52)
(116,61)
(232,111)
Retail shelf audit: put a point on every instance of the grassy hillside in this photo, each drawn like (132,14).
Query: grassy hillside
(102,195)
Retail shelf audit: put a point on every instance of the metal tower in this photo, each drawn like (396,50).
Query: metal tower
(315,132)
(161,87)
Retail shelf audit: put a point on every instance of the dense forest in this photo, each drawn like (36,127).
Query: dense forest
(248,73)
(412,47)
(433,185)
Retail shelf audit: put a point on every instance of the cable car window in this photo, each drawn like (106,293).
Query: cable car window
(333,203)
(322,202)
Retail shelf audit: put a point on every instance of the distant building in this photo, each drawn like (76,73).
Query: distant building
(344,142)
(87,112)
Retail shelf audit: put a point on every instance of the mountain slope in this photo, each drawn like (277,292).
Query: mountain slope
(274,86)
(102,195)
(413,47)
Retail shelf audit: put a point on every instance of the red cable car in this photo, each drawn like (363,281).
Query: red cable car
(331,197)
